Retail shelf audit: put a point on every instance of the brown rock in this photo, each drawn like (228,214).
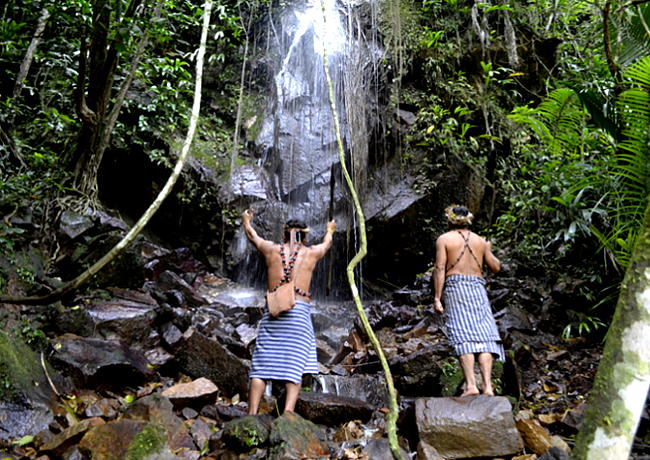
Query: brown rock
(474,426)
(294,437)
(535,436)
(112,440)
(199,388)
(428,452)
(61,441)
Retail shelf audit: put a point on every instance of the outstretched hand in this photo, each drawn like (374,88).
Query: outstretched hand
(331,226)
(247,215)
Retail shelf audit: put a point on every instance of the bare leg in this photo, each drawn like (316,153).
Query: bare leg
(255,392)
(485,364)
(467,364)
(291,396)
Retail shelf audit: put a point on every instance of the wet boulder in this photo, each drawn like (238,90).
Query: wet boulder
(200,356)
(178,290)
(329,409)
(418,374)
(101,363)
(128,316)
(157,411)
(379,449)
(368,388)
(472,426)
(294,437)
(67,438)
(72,224)
(27,402)
(245,433)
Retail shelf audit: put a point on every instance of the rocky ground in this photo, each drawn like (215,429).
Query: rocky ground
(152,362)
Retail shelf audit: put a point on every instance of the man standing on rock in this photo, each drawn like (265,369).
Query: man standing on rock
(286,347)
(458,274)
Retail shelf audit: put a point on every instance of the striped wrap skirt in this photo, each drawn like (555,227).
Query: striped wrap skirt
(286,346)
(470,324)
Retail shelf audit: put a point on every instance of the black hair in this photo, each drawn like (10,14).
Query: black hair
(460,211)
(297,224)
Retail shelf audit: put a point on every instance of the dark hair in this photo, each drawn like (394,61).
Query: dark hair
(460,211)
(297,224)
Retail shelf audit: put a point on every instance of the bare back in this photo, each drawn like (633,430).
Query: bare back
(303,266)
(462,252)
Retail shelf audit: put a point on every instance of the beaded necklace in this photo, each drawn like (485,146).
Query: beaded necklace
(287,268)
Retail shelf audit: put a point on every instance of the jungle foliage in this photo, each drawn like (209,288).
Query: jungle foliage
(556,128)
(546,103)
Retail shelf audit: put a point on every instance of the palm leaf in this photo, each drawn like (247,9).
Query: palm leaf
(600,110)
(632,165)
(635,34)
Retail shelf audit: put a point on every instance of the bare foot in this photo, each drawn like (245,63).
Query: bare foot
(470,392)
(488,393)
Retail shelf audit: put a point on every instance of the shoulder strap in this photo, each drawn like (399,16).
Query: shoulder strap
(466,246)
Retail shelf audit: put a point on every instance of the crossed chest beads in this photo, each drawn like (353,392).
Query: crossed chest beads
(287,268)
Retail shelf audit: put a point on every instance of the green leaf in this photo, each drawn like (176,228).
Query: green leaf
(28,439)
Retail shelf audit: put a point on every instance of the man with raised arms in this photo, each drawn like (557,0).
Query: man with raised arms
(286,347)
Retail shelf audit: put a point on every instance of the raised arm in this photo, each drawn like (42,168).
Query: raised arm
(251,234)
(438,278)
(491,260)
(321,249)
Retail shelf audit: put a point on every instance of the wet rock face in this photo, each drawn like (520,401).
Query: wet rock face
(128,317)
(92,362)
(474,426)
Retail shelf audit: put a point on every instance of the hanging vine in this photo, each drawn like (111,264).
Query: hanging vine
(391,417)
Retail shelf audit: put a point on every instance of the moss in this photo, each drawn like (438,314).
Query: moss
(451,377)
(623,363)
(248,435)
(245,433)
(149,441)
(20,369)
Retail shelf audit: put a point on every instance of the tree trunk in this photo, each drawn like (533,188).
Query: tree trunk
(29,55)
(99,63)
(621,385)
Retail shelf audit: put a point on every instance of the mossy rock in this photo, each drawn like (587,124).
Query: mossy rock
(245,433)
(26,399)
(21,373)
(151,440)
(295,437)
(451,377)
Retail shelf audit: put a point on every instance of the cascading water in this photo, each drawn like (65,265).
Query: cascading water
(294,152)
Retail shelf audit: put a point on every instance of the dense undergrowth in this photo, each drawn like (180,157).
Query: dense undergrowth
(522,99)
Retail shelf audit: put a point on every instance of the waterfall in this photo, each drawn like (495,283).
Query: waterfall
(295,148)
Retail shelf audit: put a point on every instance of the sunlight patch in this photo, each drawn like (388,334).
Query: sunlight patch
(636,338)
(608,446)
